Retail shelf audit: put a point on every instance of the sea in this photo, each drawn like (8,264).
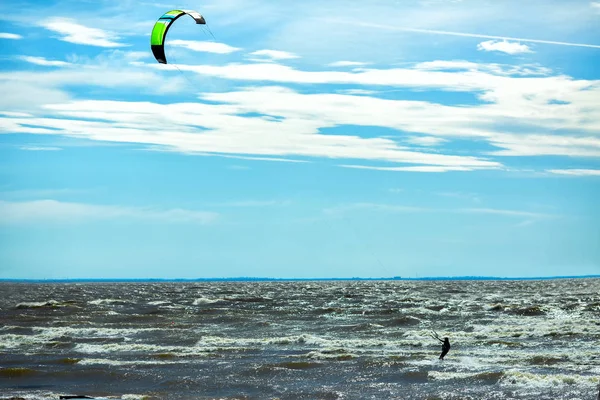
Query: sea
(304,339)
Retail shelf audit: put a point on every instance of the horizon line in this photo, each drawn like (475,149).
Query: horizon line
(265,279)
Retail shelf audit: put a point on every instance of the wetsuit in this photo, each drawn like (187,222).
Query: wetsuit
(445,348)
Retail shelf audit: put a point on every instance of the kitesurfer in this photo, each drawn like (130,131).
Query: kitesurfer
(445,348)
(445,345)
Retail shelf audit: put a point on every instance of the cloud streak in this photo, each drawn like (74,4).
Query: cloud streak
(396,208)
(575,172)
(425,140)
(40,148)
(52,211)
(73,32)
(10,36)
(206,47)
(275,54)
(463,34)
(347,64)
(418,168)
(44,62)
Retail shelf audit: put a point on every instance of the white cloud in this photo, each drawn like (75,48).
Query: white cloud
(301,116)
(133,55)
(482,77)
(419,168)
(40,148)
(208,47)
(32,194)
(529,108)
(27,96)
(76,33)
(31,89)
(595,5)
(460,195)
(462,34)
(536,145)
(255,203)
(352,28)
(287,124)
(110,58)
(44,62)
(274,159)
(439,2)
(13,36)
(575,172)
(494,69)
(15,114)
(529,103)
(296,133)
(425,140)
(224,133)
(357,92)
(275,54)
(347,64)
(504,47)
(52,211)
(345,208)
(510,213)
(449,65)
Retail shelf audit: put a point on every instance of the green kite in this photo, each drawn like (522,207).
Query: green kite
(161,27)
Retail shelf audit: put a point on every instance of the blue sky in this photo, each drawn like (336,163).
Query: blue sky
(305,139)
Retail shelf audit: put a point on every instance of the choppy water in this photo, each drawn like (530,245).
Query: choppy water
(301,340)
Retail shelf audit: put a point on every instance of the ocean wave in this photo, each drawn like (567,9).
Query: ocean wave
(119,302)
(45,304)
(333,354)
(248,299)
(509,340)
(538,380)
(204,300)
(112,362)
(159,303)
(486,377)
(404,321)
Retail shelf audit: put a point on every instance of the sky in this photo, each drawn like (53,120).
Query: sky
(311,139)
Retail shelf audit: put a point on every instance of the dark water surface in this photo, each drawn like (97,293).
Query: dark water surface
(301,340)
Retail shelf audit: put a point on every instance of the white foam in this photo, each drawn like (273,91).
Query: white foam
(33,304)
(116,348)
(98,302)
(515,377)
(158,303)
(106,361)
(204,300)
(11,341)
(89,332)
(447,376)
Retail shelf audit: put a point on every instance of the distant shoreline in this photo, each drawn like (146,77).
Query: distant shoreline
(258,279)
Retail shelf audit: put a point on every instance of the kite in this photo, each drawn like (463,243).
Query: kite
(161,27)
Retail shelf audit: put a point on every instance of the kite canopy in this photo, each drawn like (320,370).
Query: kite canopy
(161,27)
